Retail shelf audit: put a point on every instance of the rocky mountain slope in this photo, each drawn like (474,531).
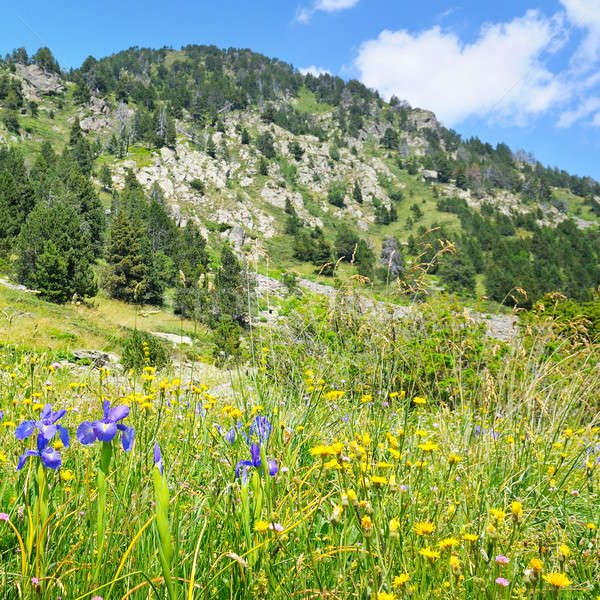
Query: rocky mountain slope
(254,143)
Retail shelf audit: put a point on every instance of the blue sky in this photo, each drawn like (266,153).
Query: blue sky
(525,72)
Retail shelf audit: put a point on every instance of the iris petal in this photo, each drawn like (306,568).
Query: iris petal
(273,468)
(64,435)
(255,452)
(105,431)
(85,433)
(24,430)
(242,463)
(118,412)
(23,458)
(127,437)
(51,458)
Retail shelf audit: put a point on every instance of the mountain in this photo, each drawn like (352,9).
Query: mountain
(317,174)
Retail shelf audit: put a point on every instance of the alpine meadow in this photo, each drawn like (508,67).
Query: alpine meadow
(271,333)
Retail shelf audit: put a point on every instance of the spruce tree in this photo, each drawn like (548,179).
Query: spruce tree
(51,277)
(126,269)
(357,193)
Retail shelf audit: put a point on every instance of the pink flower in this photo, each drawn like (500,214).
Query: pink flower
(4,517)
(502,560)
(500,581)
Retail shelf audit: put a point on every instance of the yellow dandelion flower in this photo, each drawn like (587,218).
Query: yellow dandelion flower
(385,596)
(453,458)
(557,580)
(516,508)
(497,514)
(400,580)
(428,447)
(429,553)
(261,526)
(535,564)
(424,528)
(447,543)
(419,400)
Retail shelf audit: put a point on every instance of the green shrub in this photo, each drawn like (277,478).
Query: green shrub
(142,349)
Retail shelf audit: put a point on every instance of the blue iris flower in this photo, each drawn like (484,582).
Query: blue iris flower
(158,458)
(106,429)
(241,469)
(47,426)
(49,456)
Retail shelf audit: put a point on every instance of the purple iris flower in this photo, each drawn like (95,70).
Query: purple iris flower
(46,426)
(49,456)
(230,435)
(158,458)
(1,415)
(106,429)
(242,466)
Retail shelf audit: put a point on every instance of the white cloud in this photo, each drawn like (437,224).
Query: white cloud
(584,110)
(303,14)
(314,70)
(501,74)
(585,14)
(335,5)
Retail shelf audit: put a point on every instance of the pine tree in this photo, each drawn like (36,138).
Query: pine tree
(357,193)
(105,177)
(51,232)
(51,277)
(245,136)
(126,269)
(229,289)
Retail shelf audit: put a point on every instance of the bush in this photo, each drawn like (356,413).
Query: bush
(142,349)
(198,185)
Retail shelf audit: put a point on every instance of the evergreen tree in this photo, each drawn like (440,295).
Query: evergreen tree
(126,269)
(357,193)
(245,136)
(211,148)
(364,259)
(50,277)
(55,233)
(390,139)
(230,294)
(105,177)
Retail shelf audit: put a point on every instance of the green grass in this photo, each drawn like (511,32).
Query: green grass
(307,103)
(383,444)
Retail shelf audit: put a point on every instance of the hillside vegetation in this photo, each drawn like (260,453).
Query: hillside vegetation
(267,335)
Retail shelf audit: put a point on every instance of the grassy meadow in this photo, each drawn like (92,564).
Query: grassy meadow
(351,458)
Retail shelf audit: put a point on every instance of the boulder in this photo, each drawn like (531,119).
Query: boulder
(42,81)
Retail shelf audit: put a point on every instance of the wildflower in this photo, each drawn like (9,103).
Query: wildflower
(453,458)
(322,451)
(420,401)
(400,580)
(46,426)
(564,552)
(424,528)
(4,517)
(502,560)
(557,580)
(66,475)
(502,582)
(49,456)
(367,525)
(590,526)
(336,514)
(158,463)
(261,526)
(106,429)
(516,508)
(497,514)
(536,564)
(394,526)
(470,537)
(454,563)
(429,553)
(385,596)
(378,480)
(256,463)
(428,447)
(448,543)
